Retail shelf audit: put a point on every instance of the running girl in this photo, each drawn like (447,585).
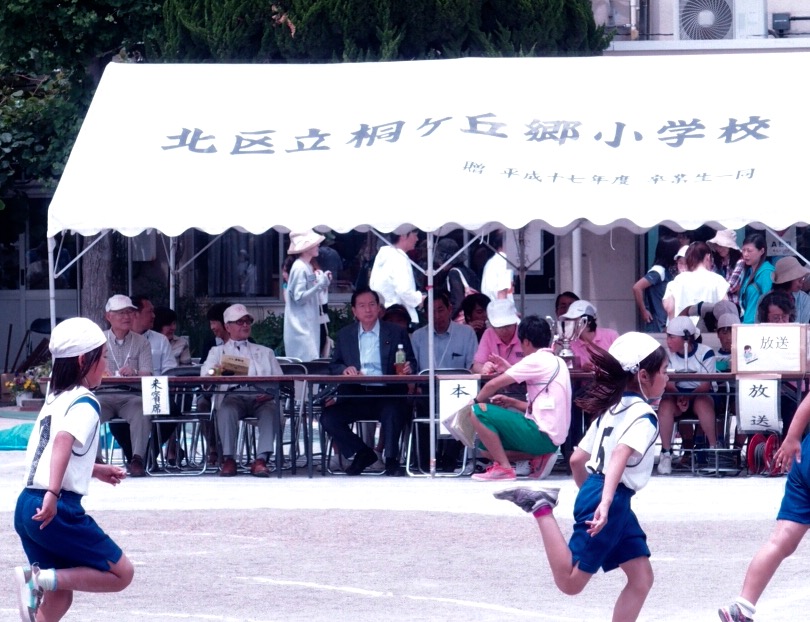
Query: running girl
(66,549)
(612,462)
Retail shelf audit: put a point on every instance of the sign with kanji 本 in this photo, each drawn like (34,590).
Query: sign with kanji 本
(759,348)
(758,404)
(453,395)
(155,395)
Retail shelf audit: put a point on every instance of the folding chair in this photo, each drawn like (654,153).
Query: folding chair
(413,436)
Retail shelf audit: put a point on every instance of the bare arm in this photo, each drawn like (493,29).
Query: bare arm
(60,456)
(791,448)
(613,475)
(638,294)
(577,464)
(493,386)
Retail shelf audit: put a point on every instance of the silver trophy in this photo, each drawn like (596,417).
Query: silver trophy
(565,331)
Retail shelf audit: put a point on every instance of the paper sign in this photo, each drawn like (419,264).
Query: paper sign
(237,365)
(453,395)
(759,348)
(758,404)
(155,394)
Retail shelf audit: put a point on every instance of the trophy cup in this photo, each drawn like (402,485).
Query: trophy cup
(565,331)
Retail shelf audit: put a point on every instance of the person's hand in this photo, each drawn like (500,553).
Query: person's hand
(504,401)
(126,370)
(488,368)
(46,513)
(351,370)
(499,363)
(646,316)
(790,450)
(109,474)
(477,325)
(600,518)
(406,369)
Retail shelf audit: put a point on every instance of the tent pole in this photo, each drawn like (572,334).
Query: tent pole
(431,363)
(576,262)
(172,261)
(51,282)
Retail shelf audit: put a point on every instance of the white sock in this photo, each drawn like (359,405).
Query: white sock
(46,579)
(747,608)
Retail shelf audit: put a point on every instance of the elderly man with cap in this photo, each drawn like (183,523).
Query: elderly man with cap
(500,347)
(686,355)
(302,308)
(261,361)
(128,354)
(591,334)
(789,276)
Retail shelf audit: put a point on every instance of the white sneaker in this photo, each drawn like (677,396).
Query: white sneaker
(29,594)
(665,463)
(522,468)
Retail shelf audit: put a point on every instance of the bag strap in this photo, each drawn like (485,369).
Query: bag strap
(463,280)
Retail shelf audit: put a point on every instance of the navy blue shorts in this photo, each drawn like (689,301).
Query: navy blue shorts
(71,540)
(796,502)
(620,540)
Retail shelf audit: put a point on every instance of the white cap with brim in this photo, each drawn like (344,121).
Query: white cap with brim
(727,320)
(74,337)
(236,312)
(578,308)
(632,348)
(119,302)
(502,313)
(679,326)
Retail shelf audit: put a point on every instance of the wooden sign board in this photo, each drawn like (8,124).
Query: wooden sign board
(765,348)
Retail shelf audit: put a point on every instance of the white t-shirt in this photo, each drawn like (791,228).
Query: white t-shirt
(548,388)
(496,277)
(631,422)
(699,361)
(392,278)
(77,413)
(700,285)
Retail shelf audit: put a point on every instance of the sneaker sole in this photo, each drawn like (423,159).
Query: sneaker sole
(26,615)
(493,479)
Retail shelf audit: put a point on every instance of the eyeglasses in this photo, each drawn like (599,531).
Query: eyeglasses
(124,312)
(778,317)
(245,321)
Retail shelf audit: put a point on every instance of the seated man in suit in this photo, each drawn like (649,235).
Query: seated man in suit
(368,348)
(235,406)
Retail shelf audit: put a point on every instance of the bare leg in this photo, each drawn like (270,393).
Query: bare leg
(639,583)
(568,578)
(91,580)
(54,605)
(782,543)
(666,421)
(704,409)
(491,441)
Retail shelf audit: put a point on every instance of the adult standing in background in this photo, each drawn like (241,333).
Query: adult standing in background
(789,276)
(457,279)
(392,274)
(496,281)
(649,290)
(302,306)
(728,261)
(756,276)
(698,284)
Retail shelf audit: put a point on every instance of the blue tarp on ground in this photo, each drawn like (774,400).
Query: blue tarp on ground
(15,438)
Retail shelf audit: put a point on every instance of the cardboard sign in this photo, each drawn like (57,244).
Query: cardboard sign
(758,404)
(759,348)
(453,395)
(155,395)
(237,365)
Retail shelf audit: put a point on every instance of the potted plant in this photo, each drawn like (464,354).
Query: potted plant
(22,387)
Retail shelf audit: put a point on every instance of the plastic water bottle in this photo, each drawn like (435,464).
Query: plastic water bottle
(399,360)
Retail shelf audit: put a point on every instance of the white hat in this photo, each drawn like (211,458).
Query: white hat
(727,320)
(632,348)
(679,326)
(579,308)
(682,252)
(502,312)
(302,241)
(236,312)
(74,337)
(727,238)
(119,302)
(723,307)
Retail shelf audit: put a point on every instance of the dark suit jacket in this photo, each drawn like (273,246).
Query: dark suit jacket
(347,349)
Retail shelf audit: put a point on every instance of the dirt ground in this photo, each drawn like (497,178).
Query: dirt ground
(337,548)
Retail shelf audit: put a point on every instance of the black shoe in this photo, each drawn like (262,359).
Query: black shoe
(364,459)
(392,468)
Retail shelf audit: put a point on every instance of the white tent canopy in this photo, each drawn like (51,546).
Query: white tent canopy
(598,142)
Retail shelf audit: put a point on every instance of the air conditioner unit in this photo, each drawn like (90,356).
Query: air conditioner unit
(704,20)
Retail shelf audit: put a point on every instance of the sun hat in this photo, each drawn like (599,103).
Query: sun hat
(74,337)
(236,312)
(304,240)
(678,326)
(727,320)
(632,348)
(119,302)
(788,269)
(578,308)
(682,252)
(725,237)
(502,312)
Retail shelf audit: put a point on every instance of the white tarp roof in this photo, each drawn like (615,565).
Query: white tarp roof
(630,141)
